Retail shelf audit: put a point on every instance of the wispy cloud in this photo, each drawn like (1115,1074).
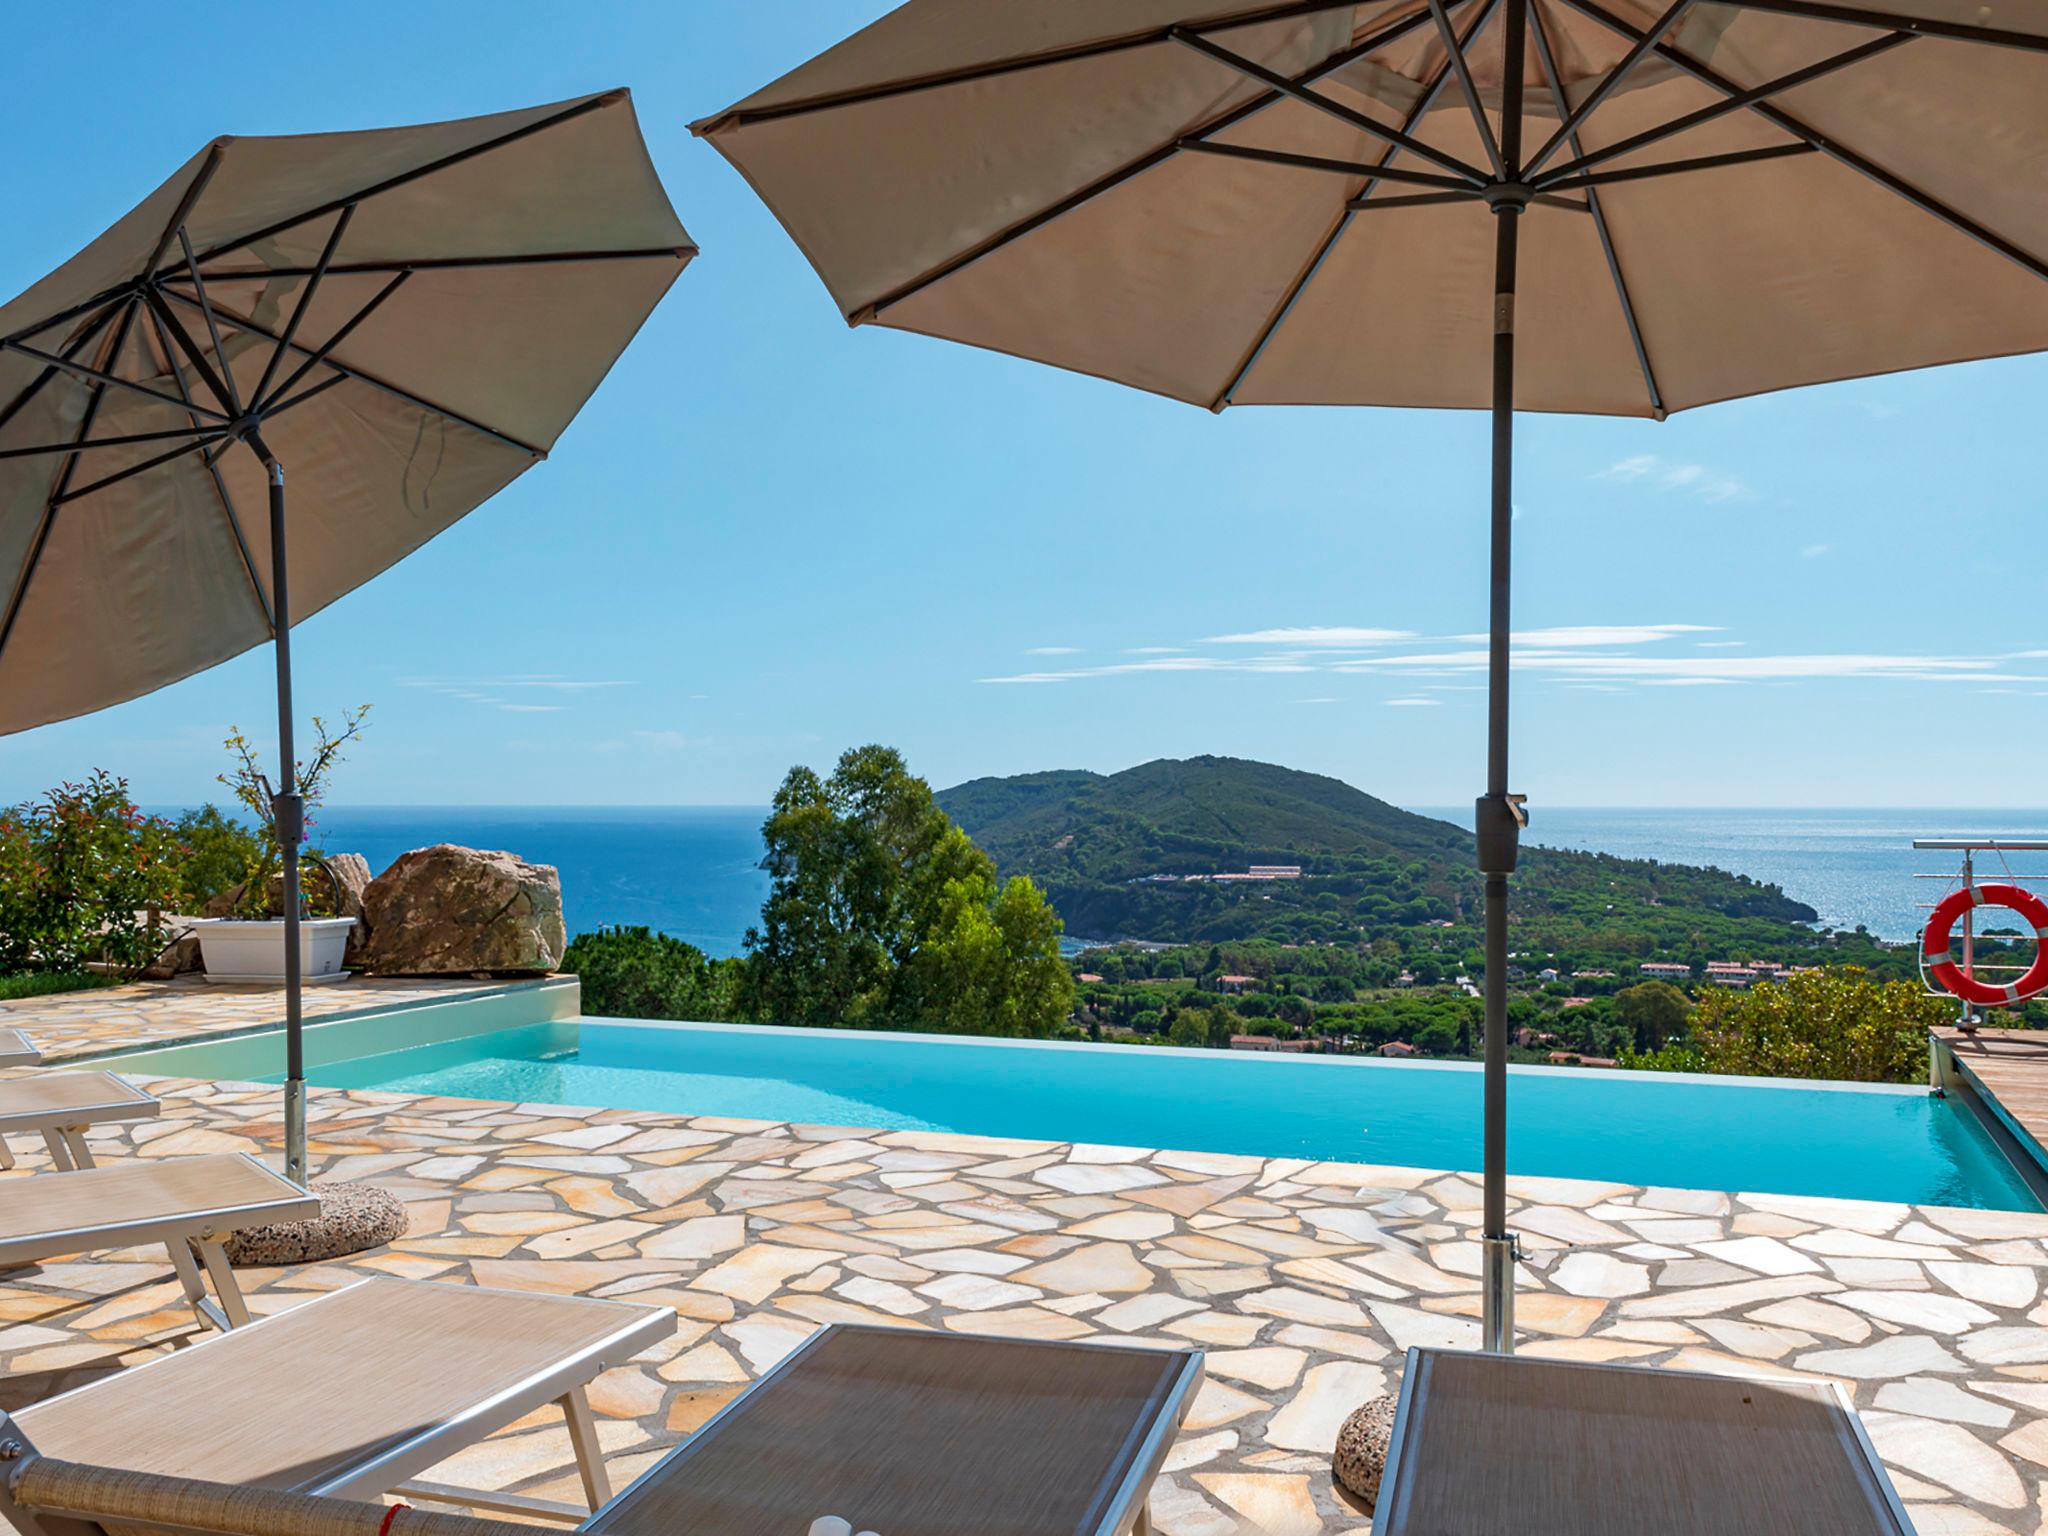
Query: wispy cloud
(1695,480)
(1576,635)
(502,693)
(1318,636)
(1813,551)
(662,741)
(1325,699)
(1413,703)
(1054,650)
(531,709)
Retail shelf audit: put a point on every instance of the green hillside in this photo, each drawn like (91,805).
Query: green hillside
(1100,844)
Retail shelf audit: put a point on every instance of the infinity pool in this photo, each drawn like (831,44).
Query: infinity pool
(1859,1141)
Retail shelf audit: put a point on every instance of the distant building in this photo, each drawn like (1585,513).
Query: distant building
(1397,1048)
(1276,872)
(1594,975)
(1268,1043)
(1575,1002)
(1236,983)
(1529,1037)
(1405,979)
(1087,976)
(1665,970)
(1548,973)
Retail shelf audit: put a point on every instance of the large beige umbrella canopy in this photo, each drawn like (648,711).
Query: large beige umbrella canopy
(1323,203)
(404,320)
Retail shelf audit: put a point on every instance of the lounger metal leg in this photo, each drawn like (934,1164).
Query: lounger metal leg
(225,1285)
(180,1251)
(1142,1526)
(74,1141)
(597,1488)
(6,1154)
(60,1154)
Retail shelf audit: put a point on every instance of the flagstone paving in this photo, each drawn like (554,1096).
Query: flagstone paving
(1303,1281)
(78,1025)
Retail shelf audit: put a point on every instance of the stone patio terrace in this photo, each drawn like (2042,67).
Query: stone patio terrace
(1303,1281)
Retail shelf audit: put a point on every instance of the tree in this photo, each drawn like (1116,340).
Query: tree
(635,973)
(1835,1023)
(882,914)
(1653,1013)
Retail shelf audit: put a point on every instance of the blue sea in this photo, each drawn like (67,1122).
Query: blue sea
(694,871)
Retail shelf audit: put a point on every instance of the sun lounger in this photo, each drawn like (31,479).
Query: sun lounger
(1493,1442)
(189,1204)
(17,1050)
(909,1433)
(355,1394)
(60,1105)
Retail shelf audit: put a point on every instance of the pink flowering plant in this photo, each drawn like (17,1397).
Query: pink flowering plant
(83,876)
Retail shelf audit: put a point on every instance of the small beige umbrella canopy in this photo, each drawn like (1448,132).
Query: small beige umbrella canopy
(404,320)
(1309,202)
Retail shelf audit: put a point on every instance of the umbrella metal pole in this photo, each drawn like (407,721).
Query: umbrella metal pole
(290,815)
(1498,818)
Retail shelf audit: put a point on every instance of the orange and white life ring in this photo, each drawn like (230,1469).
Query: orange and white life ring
(1937,960)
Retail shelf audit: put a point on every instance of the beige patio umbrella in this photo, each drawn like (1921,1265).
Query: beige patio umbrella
(1313,202)
(405,319)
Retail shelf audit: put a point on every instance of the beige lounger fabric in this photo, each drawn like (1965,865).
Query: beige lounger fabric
(17,1050)
(297,1399)
(52,1214)
(920,1434)
(28,1103)
(1494,1444)
(1047,212)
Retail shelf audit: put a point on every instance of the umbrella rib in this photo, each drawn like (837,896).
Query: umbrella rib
(1353,169)
(223,393)
(127,440)
(447,263)
(220,485)
(136,469)
(405,178)
(326,347)
(1891,181)
(1455,52)
(1575,117)
(1358,120)
(1342,222)
(1680,167)
(232,397)
(291,326)
(175,226)
(1078,52)
(1581,163)
(1554,79)
(100,376)
(1862,16)
(78,344)
(60,484)
(1123,173)
(243,323)
(305,394)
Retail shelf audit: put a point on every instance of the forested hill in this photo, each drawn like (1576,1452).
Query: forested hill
(1098,844)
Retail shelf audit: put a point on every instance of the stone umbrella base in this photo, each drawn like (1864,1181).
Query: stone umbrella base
(353,1217)
(1361,1454)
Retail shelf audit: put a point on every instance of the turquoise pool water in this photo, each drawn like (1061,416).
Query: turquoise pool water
(1862,1142)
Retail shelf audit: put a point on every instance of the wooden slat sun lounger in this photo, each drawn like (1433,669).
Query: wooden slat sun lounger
(17,1050)
(355,1394)
(189,1204)
(60,1105)
(1493,1442)
(907,1433)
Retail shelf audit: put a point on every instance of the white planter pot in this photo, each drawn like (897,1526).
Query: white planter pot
(235,950)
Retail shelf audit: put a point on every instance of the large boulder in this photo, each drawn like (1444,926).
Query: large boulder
(451,911)
(351,878)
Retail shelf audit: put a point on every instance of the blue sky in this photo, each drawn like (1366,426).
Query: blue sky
(769,537)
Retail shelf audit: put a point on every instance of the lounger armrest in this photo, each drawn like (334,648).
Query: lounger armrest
(103,1495)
